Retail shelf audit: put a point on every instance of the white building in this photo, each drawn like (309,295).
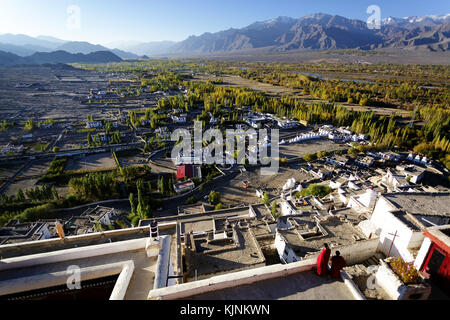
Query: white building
(365,162)
(412,172)
(94,124)
(337,160)
(401,218)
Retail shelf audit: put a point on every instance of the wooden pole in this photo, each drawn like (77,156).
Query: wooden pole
(395,236)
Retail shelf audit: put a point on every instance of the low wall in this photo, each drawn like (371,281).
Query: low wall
(230,280)
(355,253)
(162,264)
(396,289)
(41,281)
(42,246)
(71,254)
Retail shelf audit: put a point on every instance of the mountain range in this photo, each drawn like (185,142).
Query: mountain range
(39,58)
(325,32)
(313,32)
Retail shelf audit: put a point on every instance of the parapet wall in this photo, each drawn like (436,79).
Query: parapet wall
(355,253)
(230,280)
(42,246)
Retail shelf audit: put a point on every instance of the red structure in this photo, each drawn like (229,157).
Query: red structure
(185,171)
(436,265)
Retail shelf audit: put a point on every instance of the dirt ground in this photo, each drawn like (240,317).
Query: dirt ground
(296,150)
(233,193)
(238,82)
(21,184)
(29,177)
(92,162)
(9,171)
(132,160)
(37,169)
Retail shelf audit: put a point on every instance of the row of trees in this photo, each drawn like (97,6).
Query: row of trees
(165,185)
(95,186)
(36,194)
(379,93)
(141,209)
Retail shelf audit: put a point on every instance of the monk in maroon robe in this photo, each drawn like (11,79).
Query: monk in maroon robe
(337,264)
(322,261)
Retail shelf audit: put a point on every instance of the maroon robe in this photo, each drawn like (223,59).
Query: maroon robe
(322,262)
(337,264)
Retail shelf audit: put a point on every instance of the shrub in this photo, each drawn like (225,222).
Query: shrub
(322,155)
(310,157)
(316,190)
(135,221)
(220,206)
(191,200)
(40,212)
(406,271)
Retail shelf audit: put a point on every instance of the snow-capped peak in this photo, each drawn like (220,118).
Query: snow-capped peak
(433,19)
(281,19)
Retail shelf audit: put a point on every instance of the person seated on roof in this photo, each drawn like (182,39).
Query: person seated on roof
(337,264)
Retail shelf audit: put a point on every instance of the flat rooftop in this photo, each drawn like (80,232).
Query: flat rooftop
(421,203)
(305,236)
(199,221)
(141,283)
(299,286)
(221,256)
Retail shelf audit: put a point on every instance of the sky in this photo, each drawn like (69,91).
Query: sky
(107,21)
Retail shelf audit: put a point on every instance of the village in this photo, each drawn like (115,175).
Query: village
(99,179)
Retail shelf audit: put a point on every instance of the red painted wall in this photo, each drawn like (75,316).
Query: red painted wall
(185,171)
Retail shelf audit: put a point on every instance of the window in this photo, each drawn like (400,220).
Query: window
(417,296)
(435,262)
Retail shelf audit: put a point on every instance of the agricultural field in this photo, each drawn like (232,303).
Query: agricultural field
(96,162)
(299,150)
(28,177)
(131,158)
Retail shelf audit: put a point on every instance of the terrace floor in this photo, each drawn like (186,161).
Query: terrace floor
(301,286)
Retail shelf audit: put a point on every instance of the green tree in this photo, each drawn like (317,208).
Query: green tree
(310,157)
(214,197)
(20,197)
(90,140)
(55,193)
(266,199)
(30,125)
(274,208)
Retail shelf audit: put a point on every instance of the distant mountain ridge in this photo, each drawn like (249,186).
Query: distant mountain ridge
(324,32)
(56,57)
(313,32)
(23,45)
